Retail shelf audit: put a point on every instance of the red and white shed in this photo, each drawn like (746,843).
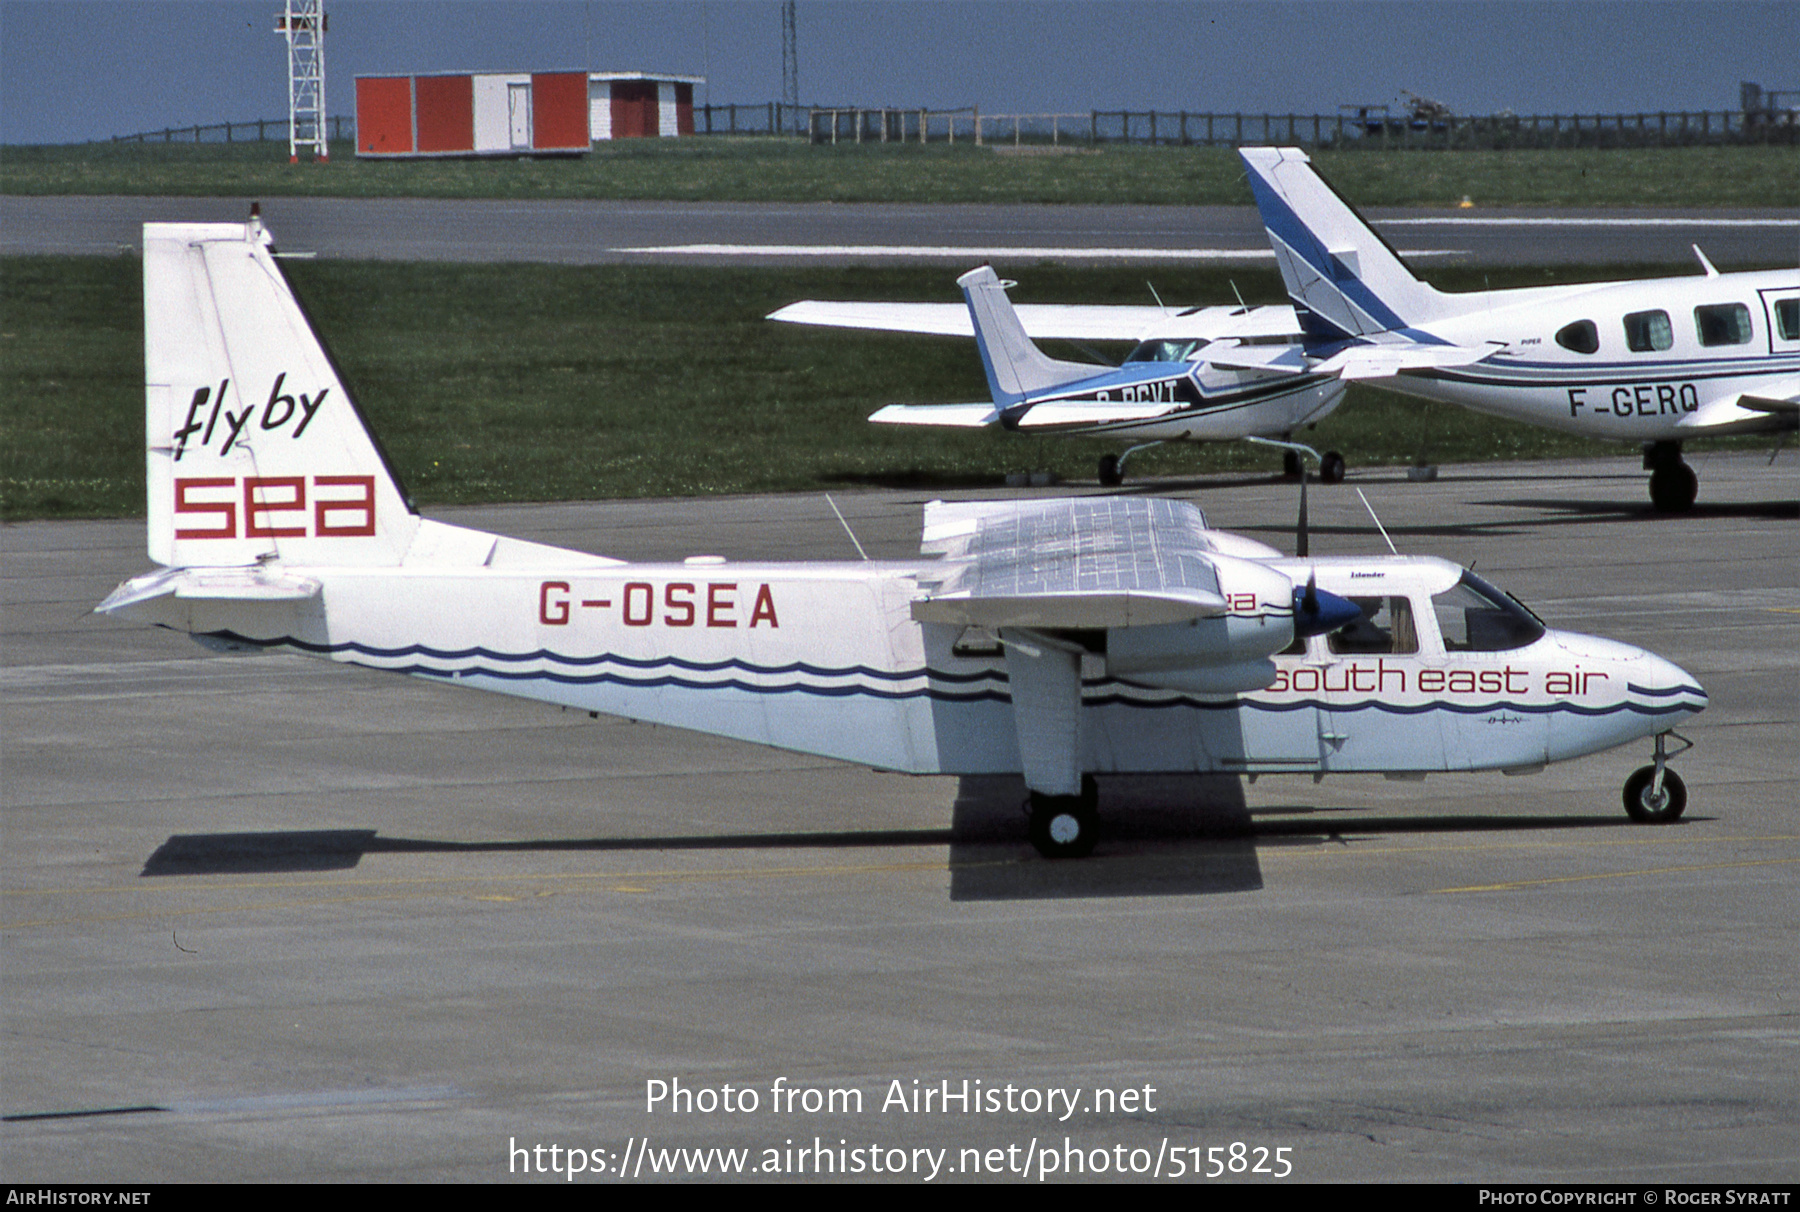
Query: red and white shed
(628,105)
(472,114)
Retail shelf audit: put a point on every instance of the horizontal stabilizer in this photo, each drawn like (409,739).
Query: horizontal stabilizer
(1060,414)
(249,584)
(1386,361)
(959,416)
(1290,358)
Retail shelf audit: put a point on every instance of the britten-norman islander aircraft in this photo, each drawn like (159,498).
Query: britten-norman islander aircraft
(1655,361)
(1169,389)
(1060,639)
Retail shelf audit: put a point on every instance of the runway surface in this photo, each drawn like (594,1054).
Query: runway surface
(573,232)
(267,918)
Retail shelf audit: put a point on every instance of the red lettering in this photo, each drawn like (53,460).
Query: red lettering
(685,604)
(257,506)
(1431,681)
(554,613)
(647,604)
(718,609)
(361,509)
(226,510)
(764,608)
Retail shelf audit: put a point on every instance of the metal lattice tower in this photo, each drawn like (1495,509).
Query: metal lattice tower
(304,24)
(790,61)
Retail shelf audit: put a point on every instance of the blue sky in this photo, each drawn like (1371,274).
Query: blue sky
(71,71)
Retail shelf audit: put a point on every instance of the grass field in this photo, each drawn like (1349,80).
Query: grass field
(720,169)
(518,383)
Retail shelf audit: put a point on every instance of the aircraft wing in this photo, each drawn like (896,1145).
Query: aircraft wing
(1042,321)
(1070,564)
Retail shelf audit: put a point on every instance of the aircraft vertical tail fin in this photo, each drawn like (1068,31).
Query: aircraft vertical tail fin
(254,449)
(1344,279)
(1016,368)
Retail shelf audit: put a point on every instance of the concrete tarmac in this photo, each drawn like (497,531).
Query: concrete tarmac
(268,918)
(582,232)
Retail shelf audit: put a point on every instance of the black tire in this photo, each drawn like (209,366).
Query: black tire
(1064,826)
(1290,464)
(1674,488)
(1112,474)
(1331,468)
(1646,809)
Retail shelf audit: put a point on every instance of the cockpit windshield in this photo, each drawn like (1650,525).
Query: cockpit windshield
(1165,351)
(1473,616)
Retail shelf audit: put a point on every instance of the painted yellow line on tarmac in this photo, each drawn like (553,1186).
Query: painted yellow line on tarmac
(1612,875)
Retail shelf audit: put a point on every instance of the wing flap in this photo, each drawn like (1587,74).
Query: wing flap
(1064,611)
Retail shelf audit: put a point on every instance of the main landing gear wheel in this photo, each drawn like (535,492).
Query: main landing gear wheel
(1290,464)
(1673,488)
(1112,472)
(1066,826)
(1647,806)
(1331,468)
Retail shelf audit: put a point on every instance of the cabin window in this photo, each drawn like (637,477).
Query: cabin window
(1648,331)
(1165,351)
(1581,337)
(1473,616)
(1723,324)
(1386,626)
(1787,319)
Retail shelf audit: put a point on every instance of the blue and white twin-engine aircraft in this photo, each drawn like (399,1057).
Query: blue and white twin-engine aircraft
(1057,639)
(1655,361)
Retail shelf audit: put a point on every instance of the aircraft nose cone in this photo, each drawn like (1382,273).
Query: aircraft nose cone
(1317,611)
(1669,686)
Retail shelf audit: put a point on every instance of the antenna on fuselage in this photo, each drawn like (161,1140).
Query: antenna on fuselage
(1378,525)
(846,526)
(1304,452)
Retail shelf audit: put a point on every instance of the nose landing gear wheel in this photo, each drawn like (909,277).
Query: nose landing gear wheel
(1648,806)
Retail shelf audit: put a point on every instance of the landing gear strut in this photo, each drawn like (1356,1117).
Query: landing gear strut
(1066,826)
(1673,484)
(1112,467)
(1656,795)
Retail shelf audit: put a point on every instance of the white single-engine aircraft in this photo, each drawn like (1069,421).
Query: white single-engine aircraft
(1056,638)
(1169,389)
(1655,361)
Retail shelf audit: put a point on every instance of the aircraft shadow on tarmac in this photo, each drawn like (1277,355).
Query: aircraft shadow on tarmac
(1166,835)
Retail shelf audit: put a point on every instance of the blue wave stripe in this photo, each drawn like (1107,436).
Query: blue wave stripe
(1096,694)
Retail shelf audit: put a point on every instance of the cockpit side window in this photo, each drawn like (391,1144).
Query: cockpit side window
(1723,324)
(1386,626)
(1473,616)
(1581,337)
(1787,319)
(1647,331)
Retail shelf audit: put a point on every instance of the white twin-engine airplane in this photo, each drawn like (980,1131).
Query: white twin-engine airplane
(1055,638)
(1655,361)
(1169,389)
